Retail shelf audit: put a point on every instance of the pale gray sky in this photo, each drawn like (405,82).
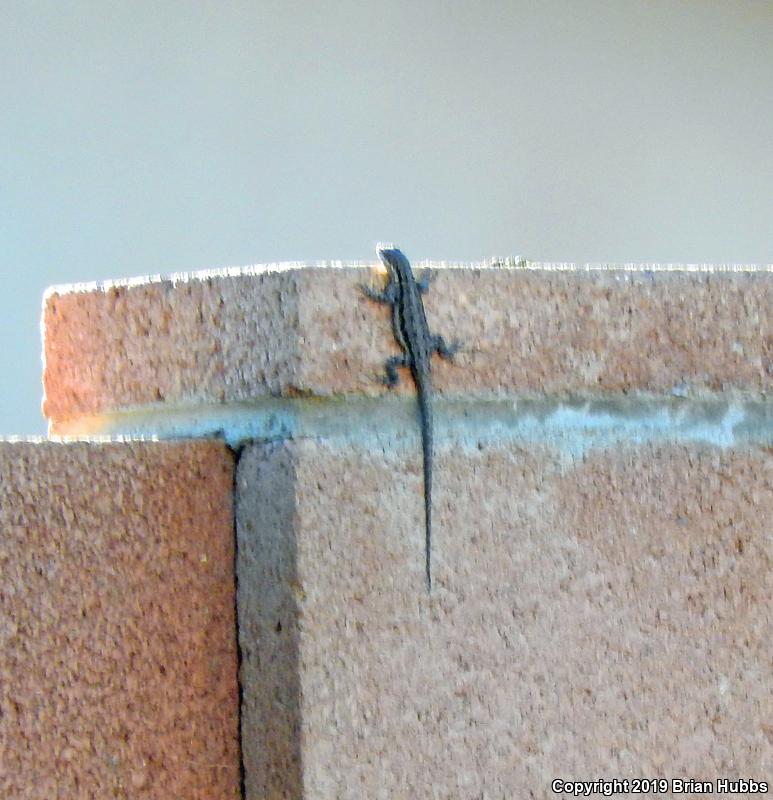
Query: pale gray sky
(142,137)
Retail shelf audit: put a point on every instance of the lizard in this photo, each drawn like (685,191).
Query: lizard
(409,325)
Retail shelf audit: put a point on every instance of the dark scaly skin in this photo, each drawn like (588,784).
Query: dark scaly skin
(409,324)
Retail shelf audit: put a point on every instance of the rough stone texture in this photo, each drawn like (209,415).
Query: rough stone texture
(605,615)
(118,664)
(308,330)
(597,615)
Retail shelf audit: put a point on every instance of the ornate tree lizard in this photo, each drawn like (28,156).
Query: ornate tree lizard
(409,324)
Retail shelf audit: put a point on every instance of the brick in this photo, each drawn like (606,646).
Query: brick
(118,663)
(595,614)
(212,339)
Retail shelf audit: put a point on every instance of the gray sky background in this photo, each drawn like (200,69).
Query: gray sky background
(142,137)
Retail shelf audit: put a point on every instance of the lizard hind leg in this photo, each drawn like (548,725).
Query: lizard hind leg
(391,378)
(444,350)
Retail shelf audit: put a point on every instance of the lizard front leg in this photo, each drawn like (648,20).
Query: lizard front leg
(388,296)
(423,283)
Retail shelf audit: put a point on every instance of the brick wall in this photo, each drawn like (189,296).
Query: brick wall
(602,544)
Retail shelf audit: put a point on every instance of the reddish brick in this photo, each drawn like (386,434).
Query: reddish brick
(117,631)
(605,615)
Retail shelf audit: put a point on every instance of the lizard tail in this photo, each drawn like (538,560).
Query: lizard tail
(425,409)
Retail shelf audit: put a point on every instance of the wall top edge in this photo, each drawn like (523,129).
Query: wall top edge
(511,263)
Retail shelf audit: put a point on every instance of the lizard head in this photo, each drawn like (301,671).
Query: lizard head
(391,258)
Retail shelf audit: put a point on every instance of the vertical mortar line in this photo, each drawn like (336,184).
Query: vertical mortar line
(237,453)
(278,735)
